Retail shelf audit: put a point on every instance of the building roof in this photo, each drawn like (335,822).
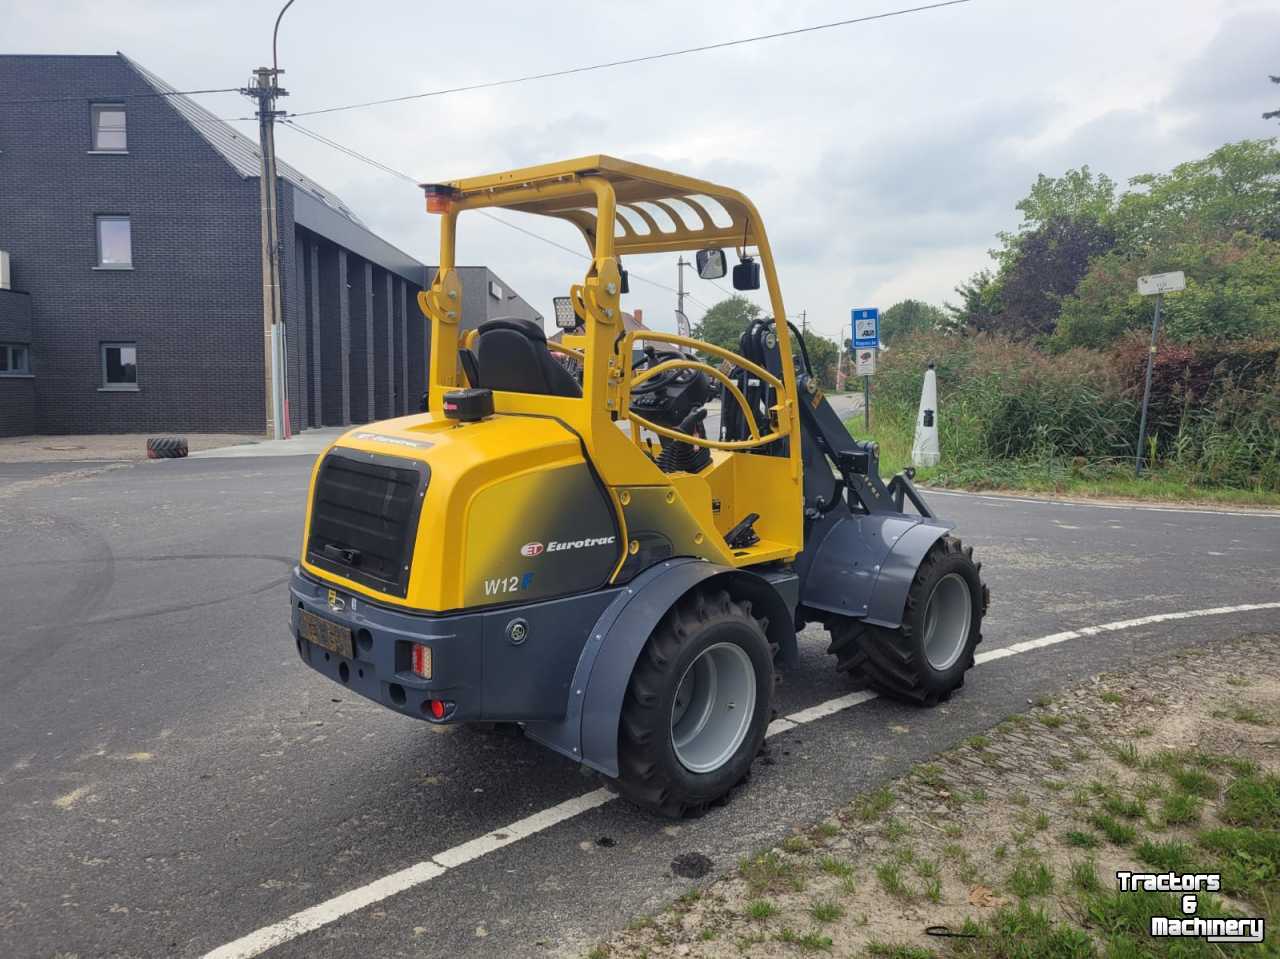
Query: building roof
(237,149)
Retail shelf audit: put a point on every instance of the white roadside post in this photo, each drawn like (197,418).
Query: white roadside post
(925,450)
(1157,285)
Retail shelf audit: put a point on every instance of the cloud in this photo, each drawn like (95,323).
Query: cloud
(883,157)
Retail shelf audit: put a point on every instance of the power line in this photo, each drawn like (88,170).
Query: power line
(357,155)
(629,61)
(121,96)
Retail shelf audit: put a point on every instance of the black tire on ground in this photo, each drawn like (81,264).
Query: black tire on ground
(895,661)
(650,772)
(166,447)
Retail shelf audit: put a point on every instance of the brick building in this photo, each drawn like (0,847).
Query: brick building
(132,301)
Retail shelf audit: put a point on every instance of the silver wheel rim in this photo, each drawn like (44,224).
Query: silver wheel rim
(947,618)
(715,701)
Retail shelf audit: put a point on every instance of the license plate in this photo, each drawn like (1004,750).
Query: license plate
(325,634)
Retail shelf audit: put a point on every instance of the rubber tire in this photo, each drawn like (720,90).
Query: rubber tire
(166,447)
(893,661)
(649,774)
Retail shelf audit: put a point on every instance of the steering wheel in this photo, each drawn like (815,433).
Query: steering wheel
(674,377)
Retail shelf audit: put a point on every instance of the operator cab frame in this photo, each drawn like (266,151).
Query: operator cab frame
(647,211)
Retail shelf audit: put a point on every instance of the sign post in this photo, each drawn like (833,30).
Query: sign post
(1157,285)
(866,340)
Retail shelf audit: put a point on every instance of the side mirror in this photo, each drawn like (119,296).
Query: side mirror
(711,264)
(746,275)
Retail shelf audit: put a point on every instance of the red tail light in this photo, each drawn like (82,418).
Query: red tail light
(422,660)
(437,709)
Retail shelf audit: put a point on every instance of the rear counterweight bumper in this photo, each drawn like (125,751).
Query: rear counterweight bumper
(482,663)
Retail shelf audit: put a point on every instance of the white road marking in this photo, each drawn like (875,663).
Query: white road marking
(1002,500)
(258,942)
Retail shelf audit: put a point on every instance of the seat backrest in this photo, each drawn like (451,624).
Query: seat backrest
(512,355)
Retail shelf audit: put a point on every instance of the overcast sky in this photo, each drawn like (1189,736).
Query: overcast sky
(883,156)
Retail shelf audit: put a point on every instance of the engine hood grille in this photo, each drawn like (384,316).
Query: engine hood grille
(364,518)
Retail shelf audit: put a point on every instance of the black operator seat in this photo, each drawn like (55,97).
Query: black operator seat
(512,355)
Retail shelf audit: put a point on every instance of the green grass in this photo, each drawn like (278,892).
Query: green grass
(1249,860)
(1181,809)
(1195,782)
(826,911)
(761,909)
(1030,879)
(810,941)
(1084,876)
(891,880)
(1253,801)
(1127,754)
(1052,720)
(796,844)
(1023,932)
(1110,696)
(1249,715)
(1170,855)
(871,806)
(1117,833)
(1080,839)
(893,427)
(769,872)
(1124,808)
(835,867)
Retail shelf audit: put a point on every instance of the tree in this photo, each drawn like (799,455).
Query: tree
(1076,195)
(980,306)
(725,322)
(1272,114)
(1050,261)
(823,356)
(1235,188)
(911,316)
(1233,292)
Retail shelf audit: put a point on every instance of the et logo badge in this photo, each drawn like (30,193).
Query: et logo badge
(532,549)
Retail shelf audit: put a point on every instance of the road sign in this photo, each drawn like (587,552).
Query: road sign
(866,362)
(1174,282)
(866,328)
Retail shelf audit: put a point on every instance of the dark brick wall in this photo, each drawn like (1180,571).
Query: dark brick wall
(192,302)
(17,393)
(357,341)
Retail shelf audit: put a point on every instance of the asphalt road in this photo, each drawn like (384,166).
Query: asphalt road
(172,778)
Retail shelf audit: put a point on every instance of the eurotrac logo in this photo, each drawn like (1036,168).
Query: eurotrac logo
(558,546)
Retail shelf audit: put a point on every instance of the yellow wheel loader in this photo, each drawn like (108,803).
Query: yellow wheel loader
(557,541)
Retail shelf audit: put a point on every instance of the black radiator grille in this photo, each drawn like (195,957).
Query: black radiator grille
(364,518)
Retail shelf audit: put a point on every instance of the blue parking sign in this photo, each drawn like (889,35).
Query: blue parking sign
(866,328)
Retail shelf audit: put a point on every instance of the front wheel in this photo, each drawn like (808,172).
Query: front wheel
(697,706)
(924,660)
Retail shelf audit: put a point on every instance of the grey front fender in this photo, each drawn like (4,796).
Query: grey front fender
(862,565)
(589,731)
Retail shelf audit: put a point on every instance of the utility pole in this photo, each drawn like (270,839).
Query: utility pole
(804,322)
(265,88)
(680,293)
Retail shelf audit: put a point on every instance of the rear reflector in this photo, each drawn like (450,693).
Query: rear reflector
(422,660)
(437,709)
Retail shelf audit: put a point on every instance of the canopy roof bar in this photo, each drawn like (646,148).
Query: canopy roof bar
(633,184)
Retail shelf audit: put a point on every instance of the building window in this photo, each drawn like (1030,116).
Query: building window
(15,359)
(496,291)
(109,133)
(119,366)
(115,243)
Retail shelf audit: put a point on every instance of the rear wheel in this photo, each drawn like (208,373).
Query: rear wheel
(697,706)
(924,660)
